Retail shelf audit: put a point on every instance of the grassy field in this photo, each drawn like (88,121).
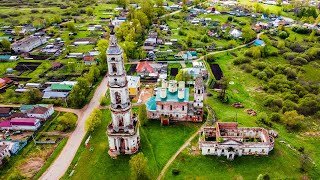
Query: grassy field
(159,143)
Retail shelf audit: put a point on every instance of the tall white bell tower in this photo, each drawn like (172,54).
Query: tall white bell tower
(123,131)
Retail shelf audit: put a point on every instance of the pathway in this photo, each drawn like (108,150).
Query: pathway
(62,163)
(165,168)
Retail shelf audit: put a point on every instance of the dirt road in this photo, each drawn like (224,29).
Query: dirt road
(62,163)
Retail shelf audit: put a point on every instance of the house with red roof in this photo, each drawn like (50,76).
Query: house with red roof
(89,60)
(144,68)
(5,81)
(29,124)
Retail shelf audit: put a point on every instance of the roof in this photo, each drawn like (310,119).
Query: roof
(7,80)
(173,97)
(151,104)
(25,107)
(144,66)
(5,123)
(38,110)
(50,94)
(3,147)
(199,81)
(5,57)
(5,110)
(2,81)
(64,87)
(23,121)
(258,42)
(133,81)
(88,58)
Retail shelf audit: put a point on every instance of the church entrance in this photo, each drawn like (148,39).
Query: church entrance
(122,146)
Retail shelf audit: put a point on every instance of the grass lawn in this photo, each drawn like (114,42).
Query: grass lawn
(159,143)
(281,163)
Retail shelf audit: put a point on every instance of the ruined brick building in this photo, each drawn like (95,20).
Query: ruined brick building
(123,131)
(171,102)
(227,139)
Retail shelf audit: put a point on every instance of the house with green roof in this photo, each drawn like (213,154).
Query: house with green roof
(171,102)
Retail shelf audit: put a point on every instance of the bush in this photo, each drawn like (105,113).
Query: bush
(262,75)
(275,117)
(292,120)
(241,60)
(261,66)
(255,72)
(283,35)
(175,171)
(247,68)
(301,30)
(290,55)
(289,106)
(299,61)
(263,118)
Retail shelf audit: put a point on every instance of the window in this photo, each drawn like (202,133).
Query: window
(162,106)
(198,91)
(249,150)
(114,68)
(208,150)
(177,115)
(222,151)
(170,107)
(182,108)
(118,98)
(113,59)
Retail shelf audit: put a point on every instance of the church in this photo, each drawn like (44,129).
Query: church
(172,102)
(123,131)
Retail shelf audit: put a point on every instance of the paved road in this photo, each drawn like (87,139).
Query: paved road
(62,163)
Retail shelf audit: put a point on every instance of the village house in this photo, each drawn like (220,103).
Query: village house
(27,44)
(58,90)
(89,60)
(4,82)
(41,111)
(227,139)
(28,124)
(235,33)
(4,152)
(13,147)
(151,69)
(8,58)
(133,85)
(171,102)
(5,111)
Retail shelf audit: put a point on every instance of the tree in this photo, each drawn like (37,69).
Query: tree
(223,82)
(67,122)
(256,52)
(123,3)
(139,167)
(292,120)
(183,75)
(189,41)
(148,9)
(142,114)
(17,30)
(71,27)
(89,11)
(94,120)
(232,43)
(5,44)
(311,37)
(248,34)
(102,46)
(79,92)
(281,44)
(305,162)
(33,96)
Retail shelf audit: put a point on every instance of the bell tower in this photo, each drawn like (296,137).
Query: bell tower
(123,131)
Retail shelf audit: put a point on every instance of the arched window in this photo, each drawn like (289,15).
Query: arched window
(162,106)
(170,107)
(182,108)
(121,121)
(114,68)
(118,97)
(113,59)
(198,91)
